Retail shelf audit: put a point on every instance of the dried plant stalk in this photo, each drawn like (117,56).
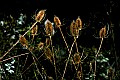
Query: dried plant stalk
(102,32)
(73,29)
(40,15)
(49,28)
(57,21)
(23,41)
(79,23)
(76,58)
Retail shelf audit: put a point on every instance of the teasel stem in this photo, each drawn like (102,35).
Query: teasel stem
(81,71)
(54,62)
(14,57)
(37,68)
(96,55)
(68,58)
(64,39)
(17,41)
(76,47)
(32,64)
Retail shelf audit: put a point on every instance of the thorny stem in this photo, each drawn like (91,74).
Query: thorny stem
(76,47)
(17,42)
(64,39)
(38,69)
(13,57)
(96,57)
(25,61)
(33,63)
(68,58)
(53,57)
(80,70)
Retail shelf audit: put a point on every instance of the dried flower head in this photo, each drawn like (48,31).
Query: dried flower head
(48,53)
(31,48)
(50,78)
(102,32)
(79,23)
(48,28)
(79,75)
(40,45)
(57,21)
(73,29)
(76,58)
(34,30)
(40,15)
(23,41)
(47,42)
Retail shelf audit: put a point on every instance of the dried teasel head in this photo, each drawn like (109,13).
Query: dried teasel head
(49,78)
(73,29)
(79,23)
(40,15)
(23,41)
(79,74)
(102,32)
(47,42)
(40,45)
(34,30)
(48,53)
(48,28)
(57,21)
(31,48)
(77,58)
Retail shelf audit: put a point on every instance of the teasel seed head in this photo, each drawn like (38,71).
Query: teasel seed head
(40,15)
(40,45)
(48,53)
(34,30)
(31,48)
(79,74)
(77,58)
(47,42)
(79,23)
(57,21)
(102,32)
(73,29)
(23,41)
(48,28)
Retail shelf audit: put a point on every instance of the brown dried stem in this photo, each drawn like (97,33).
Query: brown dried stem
(54,62)
(68,58)
(14,57)
(64,39)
